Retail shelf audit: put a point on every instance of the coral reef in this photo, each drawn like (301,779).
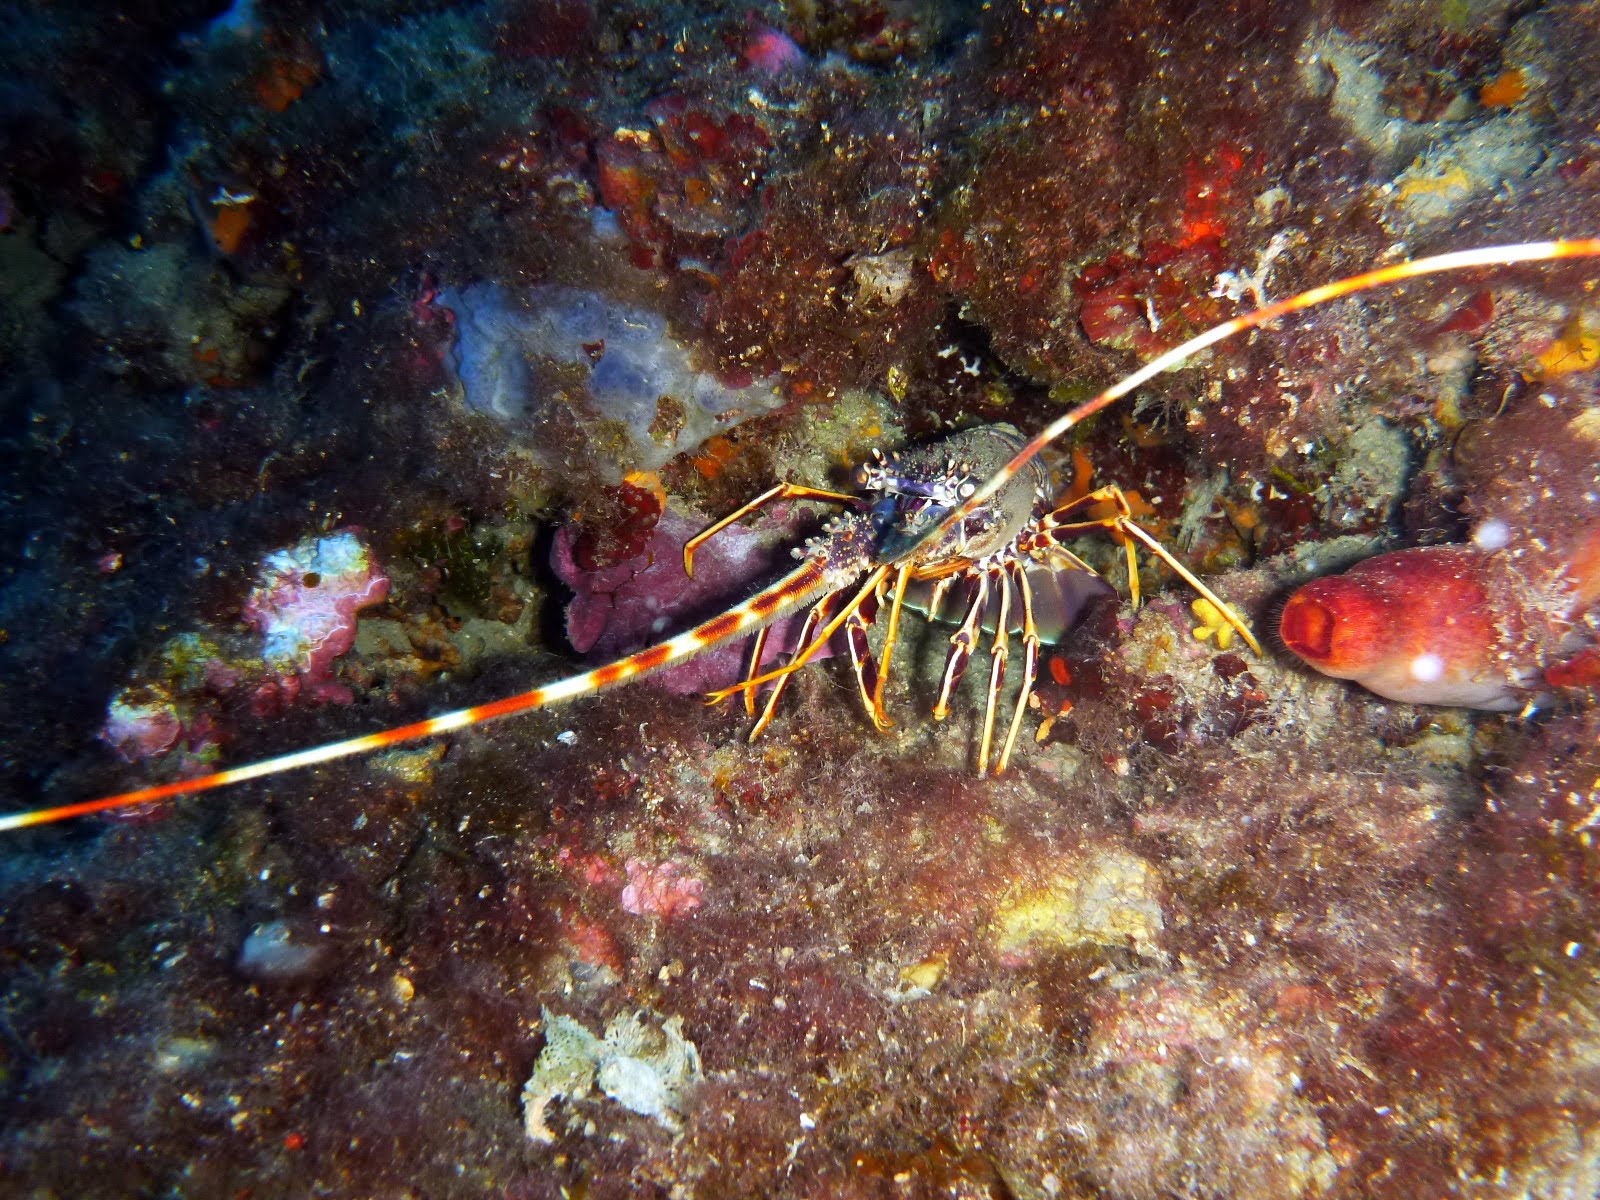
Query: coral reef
(526,292)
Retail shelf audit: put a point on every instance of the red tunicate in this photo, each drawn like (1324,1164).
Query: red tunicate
(1229,666)
(1471,316)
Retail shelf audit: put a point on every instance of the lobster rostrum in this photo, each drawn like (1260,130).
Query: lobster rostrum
(974,508)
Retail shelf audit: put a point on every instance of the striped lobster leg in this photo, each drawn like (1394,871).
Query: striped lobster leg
(1030,662)
(784,491)
(821,612)
(806,653)
(999,651)
(961,643)
(880,717)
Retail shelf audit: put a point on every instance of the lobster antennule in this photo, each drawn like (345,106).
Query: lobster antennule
(760,610)
(1415,268)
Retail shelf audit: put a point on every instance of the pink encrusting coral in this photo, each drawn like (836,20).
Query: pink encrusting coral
(304,605)
(142,722)
(660,889)
(181,704)
(769,51)
(153,721)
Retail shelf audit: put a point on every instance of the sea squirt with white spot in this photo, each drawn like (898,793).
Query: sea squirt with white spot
(1414,626)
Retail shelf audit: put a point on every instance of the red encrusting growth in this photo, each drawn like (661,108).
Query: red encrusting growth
(1307,627)
(1495,622)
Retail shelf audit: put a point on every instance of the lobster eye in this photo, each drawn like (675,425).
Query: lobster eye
(966,489)
(861,477)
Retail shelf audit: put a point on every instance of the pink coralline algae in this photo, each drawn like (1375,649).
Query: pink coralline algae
(770,51)
(150,722)
(142,722)
(660,890)
(304,605)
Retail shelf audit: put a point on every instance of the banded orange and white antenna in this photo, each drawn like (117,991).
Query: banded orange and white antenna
(760,610)
(1414,268)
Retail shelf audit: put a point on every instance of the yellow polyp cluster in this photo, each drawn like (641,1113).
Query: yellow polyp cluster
(1576,349)
(1213,625)
(1505,89)
(1448,181)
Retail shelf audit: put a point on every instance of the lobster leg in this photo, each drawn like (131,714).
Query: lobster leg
(758,646)
(1060,554)
(879,717)
(784,491)
(1051,528)
(1166,556)
(862,664)
(998,651)
(961,644)
(940,587)
(820,611)
(1113,495)
(1030,662)
(804,654)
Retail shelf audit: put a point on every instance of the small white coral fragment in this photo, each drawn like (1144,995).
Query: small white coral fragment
(648,1070)
(643,1063)
(565,1071)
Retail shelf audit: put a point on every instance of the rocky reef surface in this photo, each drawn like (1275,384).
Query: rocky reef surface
(370,358)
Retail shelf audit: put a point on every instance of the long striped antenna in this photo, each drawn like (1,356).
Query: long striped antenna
(1437,264)
(756,613)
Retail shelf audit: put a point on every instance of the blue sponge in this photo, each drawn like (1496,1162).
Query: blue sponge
(638,374)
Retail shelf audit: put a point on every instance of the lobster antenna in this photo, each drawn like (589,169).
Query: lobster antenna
(756,612)
(1437,264)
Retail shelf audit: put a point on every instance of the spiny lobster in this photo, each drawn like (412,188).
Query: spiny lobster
(961,509)
(1004,549)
